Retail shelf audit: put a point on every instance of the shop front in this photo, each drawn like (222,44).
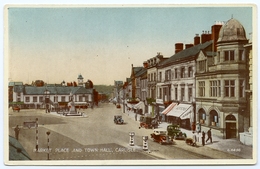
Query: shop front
(182,115)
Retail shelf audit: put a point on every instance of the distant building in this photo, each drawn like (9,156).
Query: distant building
(118,91)
(152,79)
(10,91)
(58,95)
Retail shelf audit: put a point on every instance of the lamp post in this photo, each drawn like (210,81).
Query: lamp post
(48,140)
(47,98)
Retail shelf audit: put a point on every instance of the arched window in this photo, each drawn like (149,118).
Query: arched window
(202,116)
(213,117)
(231,117)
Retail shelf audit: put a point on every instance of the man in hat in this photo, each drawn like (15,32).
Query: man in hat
(16,131)
(209,136)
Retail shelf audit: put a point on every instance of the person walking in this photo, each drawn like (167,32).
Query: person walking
(203,138)
(135,116)
(209,136)
(16,131)
(194,137)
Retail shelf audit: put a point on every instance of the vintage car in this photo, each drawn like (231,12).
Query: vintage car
(16,108)
(118,119)
(160,136)
(148,122)
(118,106)
(175,133)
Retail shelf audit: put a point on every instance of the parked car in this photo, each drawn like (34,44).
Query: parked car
(16,108)
(118,119)
(175,133)
(148,122)
(118,106)
(161,136)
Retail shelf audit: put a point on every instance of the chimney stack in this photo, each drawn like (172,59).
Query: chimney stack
(215,34)
(178,47)
(196,39)
(188,46)
(145,64)
(205,36)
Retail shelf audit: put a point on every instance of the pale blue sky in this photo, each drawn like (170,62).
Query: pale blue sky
(56,44)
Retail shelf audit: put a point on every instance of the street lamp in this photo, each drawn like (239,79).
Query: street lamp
(47,99)
(48,140)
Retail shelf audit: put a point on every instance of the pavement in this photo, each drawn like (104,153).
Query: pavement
(231,146)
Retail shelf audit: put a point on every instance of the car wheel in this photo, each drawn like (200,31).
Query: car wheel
(161,142)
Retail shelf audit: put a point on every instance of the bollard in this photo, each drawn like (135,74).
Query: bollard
(145,143)
(37,138)
(131,141)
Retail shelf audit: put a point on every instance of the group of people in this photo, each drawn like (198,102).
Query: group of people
(196,139)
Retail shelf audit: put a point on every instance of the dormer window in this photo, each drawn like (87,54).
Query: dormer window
(202,65)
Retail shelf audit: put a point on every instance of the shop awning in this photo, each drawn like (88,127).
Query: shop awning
(80,103)
(169,108)
(184,111)
(128,104)
(139,105)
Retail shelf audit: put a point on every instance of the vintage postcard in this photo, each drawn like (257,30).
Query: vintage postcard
(130,84)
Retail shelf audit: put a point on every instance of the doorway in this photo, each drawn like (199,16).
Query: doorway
(231,129)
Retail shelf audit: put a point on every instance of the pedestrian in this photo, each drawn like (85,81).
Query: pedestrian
(16,131)
(198,136)
(209,136)
(135,116)
(194,137)
(203,138)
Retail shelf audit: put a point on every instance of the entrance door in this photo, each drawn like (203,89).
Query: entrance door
(231,131)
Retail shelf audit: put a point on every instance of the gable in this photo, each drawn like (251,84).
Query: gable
(201,56)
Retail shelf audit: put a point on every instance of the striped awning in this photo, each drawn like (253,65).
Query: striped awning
(183,111)
(169,108)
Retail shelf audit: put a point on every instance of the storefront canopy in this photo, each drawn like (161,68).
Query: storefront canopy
(183,111)
(169,108)
(139,105)
(128,104)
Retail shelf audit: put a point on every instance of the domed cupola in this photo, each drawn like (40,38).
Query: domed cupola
(233,30)
(80,80)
